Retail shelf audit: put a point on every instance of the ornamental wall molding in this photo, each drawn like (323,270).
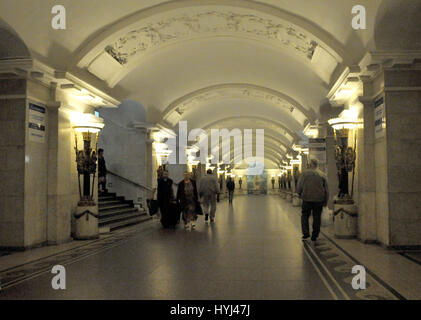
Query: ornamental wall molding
(283,146)
(123,45)
(269,147)
(270,144)
(371,65)
(174,112)
(210,22)
(256,122)
(34,70)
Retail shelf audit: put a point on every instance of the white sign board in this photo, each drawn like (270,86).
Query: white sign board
(379,118)
(36,123)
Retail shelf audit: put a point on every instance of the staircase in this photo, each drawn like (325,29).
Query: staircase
(117,212)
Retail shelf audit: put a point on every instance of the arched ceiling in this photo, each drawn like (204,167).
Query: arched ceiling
(246,94)
(213,63)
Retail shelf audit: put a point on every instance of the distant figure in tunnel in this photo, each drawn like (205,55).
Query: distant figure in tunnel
(230,187)
(314,191)
(188,200)
(208,189)
(102,172)
(165,196)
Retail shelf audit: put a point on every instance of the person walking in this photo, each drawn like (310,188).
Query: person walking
(230,187)
(208,189)
(313,189)
(102,172)
(165,197)
(188,200)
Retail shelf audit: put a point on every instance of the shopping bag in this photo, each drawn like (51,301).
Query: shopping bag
(153,206)
(327,217)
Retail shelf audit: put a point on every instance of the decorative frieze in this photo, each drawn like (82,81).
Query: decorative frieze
(210,22)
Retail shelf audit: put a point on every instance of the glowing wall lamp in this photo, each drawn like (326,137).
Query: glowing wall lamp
(345,155)
(344,208)
(87,126)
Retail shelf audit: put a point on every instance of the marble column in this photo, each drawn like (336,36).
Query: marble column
(365,194)
(402,93)
(151,175)
(304,161)
(61,198)
(12,162)
(327,112)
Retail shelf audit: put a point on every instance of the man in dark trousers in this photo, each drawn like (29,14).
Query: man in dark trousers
(230,187)
(102,172)
(313,190)
(165,196)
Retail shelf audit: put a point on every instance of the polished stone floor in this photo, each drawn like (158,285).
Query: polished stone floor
(252,251)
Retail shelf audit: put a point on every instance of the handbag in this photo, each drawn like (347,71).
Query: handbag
(326,217)
(199,210)
(153,206)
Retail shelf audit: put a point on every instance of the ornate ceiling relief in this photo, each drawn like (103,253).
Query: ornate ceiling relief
(174,112)
(185,26)
(233,93)
(255,123)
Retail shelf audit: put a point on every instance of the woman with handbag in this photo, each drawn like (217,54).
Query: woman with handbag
(188,201)
(165,197)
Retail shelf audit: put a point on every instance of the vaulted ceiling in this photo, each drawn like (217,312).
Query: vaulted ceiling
(213,63)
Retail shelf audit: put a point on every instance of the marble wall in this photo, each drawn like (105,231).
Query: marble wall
(12,162)
(63,192)
(365,177)
(403,127)
(36,186)
(125,154)
(39,190)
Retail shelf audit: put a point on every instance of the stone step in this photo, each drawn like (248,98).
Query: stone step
(104,229)
(128,222)
(108,203)
(107,195)
(104,198)
(111,200)
(110,207)
(119,217)
(114,212)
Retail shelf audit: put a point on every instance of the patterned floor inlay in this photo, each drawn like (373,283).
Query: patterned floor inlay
(337,268)
(14,275)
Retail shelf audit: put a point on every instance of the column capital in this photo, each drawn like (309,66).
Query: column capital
(16,67)
(54,104)
(366,101)
(375,61)
(142,126)
(328,111)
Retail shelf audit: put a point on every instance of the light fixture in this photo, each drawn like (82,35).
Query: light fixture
(300,148)
(86,218)
(86,122)
(345,155)
(348,119)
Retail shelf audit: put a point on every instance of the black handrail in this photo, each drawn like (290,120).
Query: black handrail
(129,181)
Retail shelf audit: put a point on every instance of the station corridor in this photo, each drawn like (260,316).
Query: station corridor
(253,250)
(116,113)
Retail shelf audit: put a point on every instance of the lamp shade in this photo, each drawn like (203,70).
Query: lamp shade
(340,124)
(348,119)
(86,122)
